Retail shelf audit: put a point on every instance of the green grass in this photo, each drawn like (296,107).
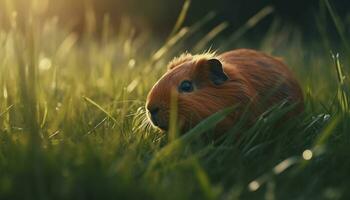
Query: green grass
(73,124)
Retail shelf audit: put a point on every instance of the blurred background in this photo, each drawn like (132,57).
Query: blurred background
(159,16)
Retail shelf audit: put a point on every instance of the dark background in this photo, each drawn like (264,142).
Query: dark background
(159,16)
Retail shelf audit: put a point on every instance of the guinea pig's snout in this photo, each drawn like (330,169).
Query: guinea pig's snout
(154,115)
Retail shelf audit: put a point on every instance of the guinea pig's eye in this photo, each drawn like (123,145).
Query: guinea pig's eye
(186,86)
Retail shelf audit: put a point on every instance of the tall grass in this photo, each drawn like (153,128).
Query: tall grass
(73,123)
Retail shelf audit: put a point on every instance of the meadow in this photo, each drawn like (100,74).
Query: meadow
(73,123)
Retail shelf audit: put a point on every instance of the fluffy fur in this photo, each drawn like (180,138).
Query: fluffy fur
(254,78)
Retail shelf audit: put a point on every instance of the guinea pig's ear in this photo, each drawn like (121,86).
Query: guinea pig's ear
(216,71)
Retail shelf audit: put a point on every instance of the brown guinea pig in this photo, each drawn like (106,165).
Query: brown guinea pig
(207,83)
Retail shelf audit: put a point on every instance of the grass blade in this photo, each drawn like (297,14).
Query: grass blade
(181,18)
(100,108)
(6,110)
(339,26)
(248,25)
(203,126)
(342,92)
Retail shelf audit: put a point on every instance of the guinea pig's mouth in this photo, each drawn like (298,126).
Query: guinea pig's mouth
(159,126)
(163,128)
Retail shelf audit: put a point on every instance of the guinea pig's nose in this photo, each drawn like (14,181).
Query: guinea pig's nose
(154,112)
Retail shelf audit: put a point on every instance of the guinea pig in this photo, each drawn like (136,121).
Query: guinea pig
(206,83)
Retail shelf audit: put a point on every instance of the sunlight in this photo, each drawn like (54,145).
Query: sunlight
(307,154)
(253,186)
(45,64)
